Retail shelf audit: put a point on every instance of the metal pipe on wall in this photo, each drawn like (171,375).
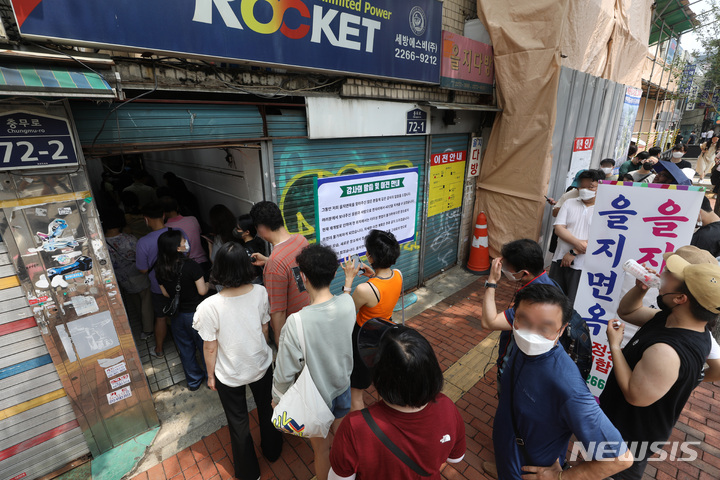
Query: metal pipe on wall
(647,95)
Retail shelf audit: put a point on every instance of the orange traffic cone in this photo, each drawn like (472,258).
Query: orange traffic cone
(479,262)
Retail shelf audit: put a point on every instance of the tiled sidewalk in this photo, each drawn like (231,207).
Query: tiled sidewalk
(453,328)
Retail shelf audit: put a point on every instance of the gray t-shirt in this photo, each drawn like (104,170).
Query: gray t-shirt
(328,330)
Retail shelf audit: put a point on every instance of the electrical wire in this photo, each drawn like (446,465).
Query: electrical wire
(102,127)
(72,58)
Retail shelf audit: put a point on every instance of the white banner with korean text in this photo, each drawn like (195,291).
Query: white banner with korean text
(637,221)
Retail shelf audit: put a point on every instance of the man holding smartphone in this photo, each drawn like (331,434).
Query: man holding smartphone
(282,277)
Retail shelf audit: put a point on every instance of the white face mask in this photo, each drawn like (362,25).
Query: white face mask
(607,171)
(510,275)
(678,154)
(532,344)
(586,194)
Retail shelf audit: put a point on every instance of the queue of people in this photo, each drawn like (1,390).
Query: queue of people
(243,316)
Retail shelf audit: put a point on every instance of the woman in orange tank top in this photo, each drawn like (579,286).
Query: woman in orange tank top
(375,298)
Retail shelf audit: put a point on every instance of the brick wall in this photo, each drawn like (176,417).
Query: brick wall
(456,12)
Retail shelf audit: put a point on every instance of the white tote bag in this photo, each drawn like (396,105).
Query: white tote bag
(302,410)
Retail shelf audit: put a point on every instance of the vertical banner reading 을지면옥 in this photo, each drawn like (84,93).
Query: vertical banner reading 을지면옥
(349,206)
(638,221)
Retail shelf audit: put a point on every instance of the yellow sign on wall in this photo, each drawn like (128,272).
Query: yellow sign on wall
(447,176)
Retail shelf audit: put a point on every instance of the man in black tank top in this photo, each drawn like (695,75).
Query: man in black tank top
(654,375)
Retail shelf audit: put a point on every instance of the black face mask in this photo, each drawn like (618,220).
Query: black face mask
(661,305)
(237,234)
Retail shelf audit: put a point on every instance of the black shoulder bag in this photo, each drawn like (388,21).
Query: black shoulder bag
(391,446)
(171,309)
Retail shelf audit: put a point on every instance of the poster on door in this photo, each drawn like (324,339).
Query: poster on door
(447,174)
(638,221)
(627,124)
(581,156)
(349,206)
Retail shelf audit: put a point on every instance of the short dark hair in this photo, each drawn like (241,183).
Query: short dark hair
(407,372)
(113,218)
(524,254)
(654,151)
(632,150)
(383,248)
(267,214)
(607,161)
(545,294)
(319,264)
(643,155)
(627,178)
(169,204)
(705,206)
(679,148)
(153,210)
(698,311)
(591,174)
(232,267)
(245,222)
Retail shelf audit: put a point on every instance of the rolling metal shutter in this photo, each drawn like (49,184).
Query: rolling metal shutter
(298,161)
(442,230)
(139,127)
(39,432)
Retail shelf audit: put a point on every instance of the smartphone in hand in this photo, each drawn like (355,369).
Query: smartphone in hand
(356,259)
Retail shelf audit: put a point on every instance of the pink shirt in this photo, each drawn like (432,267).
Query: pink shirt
(191,227)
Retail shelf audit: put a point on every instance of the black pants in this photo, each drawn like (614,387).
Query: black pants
(235,406)
(567,277)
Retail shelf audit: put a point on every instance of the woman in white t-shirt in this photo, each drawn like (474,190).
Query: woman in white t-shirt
(234,327)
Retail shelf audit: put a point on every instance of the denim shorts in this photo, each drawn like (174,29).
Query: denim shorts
(341,405)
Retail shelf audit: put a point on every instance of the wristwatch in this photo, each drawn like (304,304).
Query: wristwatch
(571,252)
(490,285)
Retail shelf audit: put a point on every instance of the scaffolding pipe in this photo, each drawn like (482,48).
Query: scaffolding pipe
(652,70)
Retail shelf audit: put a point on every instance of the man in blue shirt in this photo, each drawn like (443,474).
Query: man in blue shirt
(521,261)
(544,400)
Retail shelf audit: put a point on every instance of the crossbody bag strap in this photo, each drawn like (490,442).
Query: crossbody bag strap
(301,335)
(391,446)
(402,295)
(518,439)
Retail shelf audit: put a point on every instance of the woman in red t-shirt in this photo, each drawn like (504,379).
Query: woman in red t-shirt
(421,422)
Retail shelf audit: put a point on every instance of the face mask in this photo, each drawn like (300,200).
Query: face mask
(237,234)
(586,194)
(607,171)
(648,166)
(661,305)
(510,275)
(532,344)
(186,249)
(678,154)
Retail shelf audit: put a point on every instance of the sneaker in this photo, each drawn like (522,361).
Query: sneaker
(156,354)
(145,336)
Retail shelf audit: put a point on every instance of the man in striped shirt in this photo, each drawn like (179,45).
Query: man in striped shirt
(281,273)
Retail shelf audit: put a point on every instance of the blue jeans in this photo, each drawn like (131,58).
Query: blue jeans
(341,404)
(187,340)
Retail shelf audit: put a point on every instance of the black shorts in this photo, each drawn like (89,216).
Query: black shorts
(361,376)
(159,302)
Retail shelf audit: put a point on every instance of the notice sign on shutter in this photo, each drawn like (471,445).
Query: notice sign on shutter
(349,206)
(447,175)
